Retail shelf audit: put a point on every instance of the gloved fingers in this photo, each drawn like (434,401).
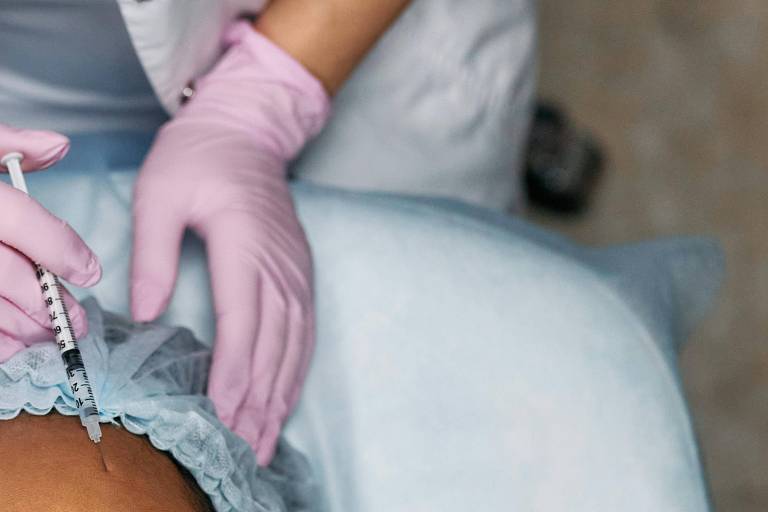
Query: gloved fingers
(8,347)
(157,237)
(288,380)
(19,326)
(297,347)
(19,286)
(268,358)
(230,376)
(235,284)
(52,243)
(268,441)
(40,149)
(269,438)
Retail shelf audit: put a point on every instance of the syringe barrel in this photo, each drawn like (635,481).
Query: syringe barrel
(60,322)
(78,382)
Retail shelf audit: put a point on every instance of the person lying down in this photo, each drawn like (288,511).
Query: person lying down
(163,447)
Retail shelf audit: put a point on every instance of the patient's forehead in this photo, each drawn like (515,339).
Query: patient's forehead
(47,463)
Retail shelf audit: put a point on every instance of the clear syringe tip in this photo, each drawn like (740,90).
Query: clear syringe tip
(91,424)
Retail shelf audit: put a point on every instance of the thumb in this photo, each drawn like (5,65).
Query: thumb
(41,149)
(157,236)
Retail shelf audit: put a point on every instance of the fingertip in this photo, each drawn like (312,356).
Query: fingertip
(267,446)
(92,273)
(85,274)
(154,265)
(57,149)
(41,148)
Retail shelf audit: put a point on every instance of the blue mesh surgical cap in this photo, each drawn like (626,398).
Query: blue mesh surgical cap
(151,379)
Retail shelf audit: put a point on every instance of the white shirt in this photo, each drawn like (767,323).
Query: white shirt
(69,65)
(439,107)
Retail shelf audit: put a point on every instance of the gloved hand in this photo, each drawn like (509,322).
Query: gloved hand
(28,232)
(219,168)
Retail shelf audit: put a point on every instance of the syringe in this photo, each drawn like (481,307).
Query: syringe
(62,326)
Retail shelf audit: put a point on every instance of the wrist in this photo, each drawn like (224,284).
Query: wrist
(258,87)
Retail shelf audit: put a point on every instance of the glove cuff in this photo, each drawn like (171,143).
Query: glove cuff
(259,87)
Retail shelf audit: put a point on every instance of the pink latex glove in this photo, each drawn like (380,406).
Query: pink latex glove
(219,168)
(28,232)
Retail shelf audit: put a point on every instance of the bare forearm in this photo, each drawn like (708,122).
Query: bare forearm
(329,37)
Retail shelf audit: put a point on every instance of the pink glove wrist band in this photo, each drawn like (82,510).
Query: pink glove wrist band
(265,91)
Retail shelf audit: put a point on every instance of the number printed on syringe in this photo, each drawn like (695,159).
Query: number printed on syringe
(65,337)
(57,310)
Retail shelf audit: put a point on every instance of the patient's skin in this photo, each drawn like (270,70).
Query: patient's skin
(48,464)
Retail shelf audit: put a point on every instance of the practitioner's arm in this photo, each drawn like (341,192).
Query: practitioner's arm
(329,37)
(249,116)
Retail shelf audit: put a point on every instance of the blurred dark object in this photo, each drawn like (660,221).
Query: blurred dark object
(562,163)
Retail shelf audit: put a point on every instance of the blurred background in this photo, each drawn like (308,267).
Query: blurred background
(675,92)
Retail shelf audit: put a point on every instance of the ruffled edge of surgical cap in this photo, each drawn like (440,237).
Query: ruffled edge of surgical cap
(170,410)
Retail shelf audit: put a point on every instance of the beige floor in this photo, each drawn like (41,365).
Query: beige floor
(678,92)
